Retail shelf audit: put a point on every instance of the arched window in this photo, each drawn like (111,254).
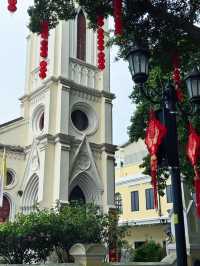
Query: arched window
(77,196)
(81,36)
(5,210)
(118,202)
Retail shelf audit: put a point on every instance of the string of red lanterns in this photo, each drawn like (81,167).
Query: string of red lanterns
(44,48)
(193,153)
(155,134)
(117,11)
(12,5)
(100,40)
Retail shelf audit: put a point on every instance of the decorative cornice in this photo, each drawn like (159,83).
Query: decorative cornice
(109,148)
(64,139)
(70,85)
(81,88)
(11,148)
(47,137)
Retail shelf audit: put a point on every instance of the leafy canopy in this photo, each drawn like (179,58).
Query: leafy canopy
(31,238)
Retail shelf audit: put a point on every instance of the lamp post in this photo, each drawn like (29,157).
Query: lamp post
(138,59)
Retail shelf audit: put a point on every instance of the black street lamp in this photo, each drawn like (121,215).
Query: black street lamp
(193,85)
(138,59)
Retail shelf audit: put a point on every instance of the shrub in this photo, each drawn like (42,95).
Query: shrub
(149,252)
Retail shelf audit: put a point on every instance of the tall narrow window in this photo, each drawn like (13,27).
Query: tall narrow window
(149,199)
(134,201)
(81,36)
(118,202)
(169,194)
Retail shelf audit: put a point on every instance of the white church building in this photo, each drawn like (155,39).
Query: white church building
(61,146)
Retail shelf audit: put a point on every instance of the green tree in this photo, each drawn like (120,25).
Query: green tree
(31,238)
(150,251)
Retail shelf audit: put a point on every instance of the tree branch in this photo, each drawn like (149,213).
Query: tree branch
(192,30)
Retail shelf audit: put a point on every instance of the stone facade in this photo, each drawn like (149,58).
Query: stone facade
(63,139)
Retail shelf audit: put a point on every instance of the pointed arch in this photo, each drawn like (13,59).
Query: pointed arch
(81,36)
(91,191)
(77,195)
(30,195)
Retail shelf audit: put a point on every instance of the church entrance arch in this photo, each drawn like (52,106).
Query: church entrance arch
(84,187)
(77,195)
(5,210)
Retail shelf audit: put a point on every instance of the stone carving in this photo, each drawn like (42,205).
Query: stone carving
(83,162)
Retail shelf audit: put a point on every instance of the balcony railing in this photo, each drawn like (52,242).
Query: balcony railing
(84,74)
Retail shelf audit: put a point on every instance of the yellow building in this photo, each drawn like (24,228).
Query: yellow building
(134,197)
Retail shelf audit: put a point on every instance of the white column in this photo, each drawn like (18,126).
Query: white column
(61,174)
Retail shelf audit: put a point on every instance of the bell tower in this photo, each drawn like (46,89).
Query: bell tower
(70,155)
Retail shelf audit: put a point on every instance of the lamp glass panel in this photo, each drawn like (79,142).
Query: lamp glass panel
(189,87)
(131,64)
(194,87)
(136,62)
(143,63)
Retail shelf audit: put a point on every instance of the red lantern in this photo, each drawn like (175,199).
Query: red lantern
(193,146)
(117,7)
(100,42)
(193,153)
(155,134)
(177,78)
(12,5)
(44,48)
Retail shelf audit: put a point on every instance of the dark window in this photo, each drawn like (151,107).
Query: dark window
(77,196)
(169,194)
(4,211)
(118,202)
(139,244)
(149,199)
(9,178)
(81,36)
(134,201)
(80,120)
(41,122)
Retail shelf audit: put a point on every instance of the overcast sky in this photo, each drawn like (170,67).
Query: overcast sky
(13,32)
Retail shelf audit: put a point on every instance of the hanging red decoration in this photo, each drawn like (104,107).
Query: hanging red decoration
(193,153)
(100,40)
(44,48)
(177,78)
(12,5)
(155,134)
(117,8)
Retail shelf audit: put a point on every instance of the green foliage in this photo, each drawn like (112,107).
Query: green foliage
(149,252)
(50,10)
(163,25)
(31,238)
